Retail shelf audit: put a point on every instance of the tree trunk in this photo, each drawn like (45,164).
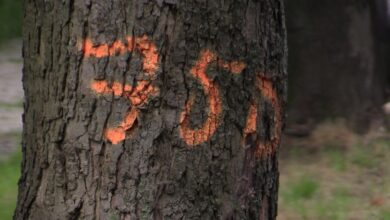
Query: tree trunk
(152,109)
(335,66)
(380,10)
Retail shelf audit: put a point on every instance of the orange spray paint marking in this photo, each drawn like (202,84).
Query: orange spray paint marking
(251,121)
(264,148)
(137,95)
(104,50)
(147,49)
(197,136)
(235,67)
(116,135)
(101,87)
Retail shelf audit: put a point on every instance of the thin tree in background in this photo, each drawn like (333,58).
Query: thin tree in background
(338,62)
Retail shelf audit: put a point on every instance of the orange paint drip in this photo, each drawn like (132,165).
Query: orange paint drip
(235,67)
(197,136)
(265,148)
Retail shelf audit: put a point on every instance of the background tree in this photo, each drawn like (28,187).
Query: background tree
(338,64)
(152,109)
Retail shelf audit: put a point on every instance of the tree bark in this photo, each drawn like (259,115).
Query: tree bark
(152,109)
(336,68)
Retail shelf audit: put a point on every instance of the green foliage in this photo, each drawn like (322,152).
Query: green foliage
(337,159)
(9,177)
(336,182)
(298,192)
(9,174)
(10,19)
(304,188)
(363,157)
(334,207)
(385,215)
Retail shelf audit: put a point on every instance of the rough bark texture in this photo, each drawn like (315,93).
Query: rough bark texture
(335,65)
(140,109)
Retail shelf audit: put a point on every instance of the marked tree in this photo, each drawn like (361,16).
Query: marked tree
(152,109)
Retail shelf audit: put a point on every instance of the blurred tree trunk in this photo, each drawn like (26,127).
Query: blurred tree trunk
(380,10)
(335,67)
(152,109)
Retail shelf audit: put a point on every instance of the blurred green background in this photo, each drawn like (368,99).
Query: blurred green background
(9,176)
(10,153)
(10,19)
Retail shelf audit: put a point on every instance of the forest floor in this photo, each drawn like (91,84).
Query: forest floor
(335,174)
(331,174)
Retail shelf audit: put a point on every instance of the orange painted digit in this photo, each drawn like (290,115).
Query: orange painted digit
(142,44)
(137,95)
(118,134)
(197,136)
(235,67)
(264,148)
